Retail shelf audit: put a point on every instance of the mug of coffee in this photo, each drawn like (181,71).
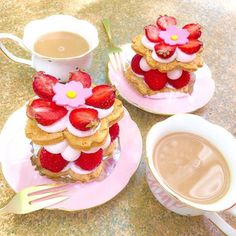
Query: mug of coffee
(58,45)
(192,168)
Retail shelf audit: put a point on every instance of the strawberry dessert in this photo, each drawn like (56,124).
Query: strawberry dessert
(166,57)
(73,126)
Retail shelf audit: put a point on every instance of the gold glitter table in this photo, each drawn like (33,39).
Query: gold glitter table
(134,211)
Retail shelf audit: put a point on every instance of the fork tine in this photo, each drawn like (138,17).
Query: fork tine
(122,61)
(51,189)
(118,63)
(48,202)
(41,197)
(112,61)
(35,189)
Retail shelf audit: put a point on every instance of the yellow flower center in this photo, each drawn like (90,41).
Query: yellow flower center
(71,94)
(174,37)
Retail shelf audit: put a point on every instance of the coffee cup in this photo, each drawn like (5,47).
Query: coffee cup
(58,67)
(168,197)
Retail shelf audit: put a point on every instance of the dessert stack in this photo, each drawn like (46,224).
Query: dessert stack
(73,126)
(166,57)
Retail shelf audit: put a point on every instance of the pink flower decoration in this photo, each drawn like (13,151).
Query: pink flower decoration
(71,94)
(174,35)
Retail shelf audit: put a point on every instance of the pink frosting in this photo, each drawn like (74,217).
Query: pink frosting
(146,43)
(173,30)
(57,148)
(58,126)
(70,154)
(174,74)
(80,133)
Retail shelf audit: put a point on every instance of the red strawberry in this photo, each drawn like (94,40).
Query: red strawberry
(155,79)
(82,77)
(152,33)
(89,161)
(164,51)
(135,65)
(43,85)
(52,162)
(45,112)
(103,97)
(163,22)
(194,30)
(114,131)
(84,118)
(182,81)
(191,47)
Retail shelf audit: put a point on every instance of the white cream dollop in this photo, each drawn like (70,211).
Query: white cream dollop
(146,43)
(183,57)
(57,148)
(77,169)
(161,60)
(58,126)
(174,74)
(102,113)
(70,154)
(104,146)
(80,133)
(143,65)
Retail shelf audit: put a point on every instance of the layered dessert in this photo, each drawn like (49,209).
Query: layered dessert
(166,58)
(73,126)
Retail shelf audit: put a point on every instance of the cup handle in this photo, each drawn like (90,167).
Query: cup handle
(221,223)
(9,54)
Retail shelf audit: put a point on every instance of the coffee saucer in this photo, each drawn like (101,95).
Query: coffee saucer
(203,91)
(15,153)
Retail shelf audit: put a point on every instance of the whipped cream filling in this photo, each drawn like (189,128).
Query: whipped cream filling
(58,126)
(143,65)
(57,148)
(80,133)
(178,55)
(183,57)
(104,146)
(146,43)
(70,154)
(77,169)
(102,113)
(174,74)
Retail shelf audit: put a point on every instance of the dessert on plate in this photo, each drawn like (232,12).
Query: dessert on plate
(73,126)
(166,58)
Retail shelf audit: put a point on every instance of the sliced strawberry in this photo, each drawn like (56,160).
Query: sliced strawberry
(52,162)
(135,66)
(155,79)
(103,97)
(164,51)
(181,82)
(89,161)
(191,47)
(163,22)
(152,33)
(84,118)
(114,131)
(45,112)
(43,85)
(82,77)
(194,30)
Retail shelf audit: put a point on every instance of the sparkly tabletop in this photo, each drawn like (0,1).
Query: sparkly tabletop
(134,211)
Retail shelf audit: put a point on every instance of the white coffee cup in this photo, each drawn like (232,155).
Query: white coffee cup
(58,67)
(220,138)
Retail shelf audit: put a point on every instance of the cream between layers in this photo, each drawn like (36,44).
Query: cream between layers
(64,123)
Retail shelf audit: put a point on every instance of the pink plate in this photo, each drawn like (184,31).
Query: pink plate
(15,152)
(203,91)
